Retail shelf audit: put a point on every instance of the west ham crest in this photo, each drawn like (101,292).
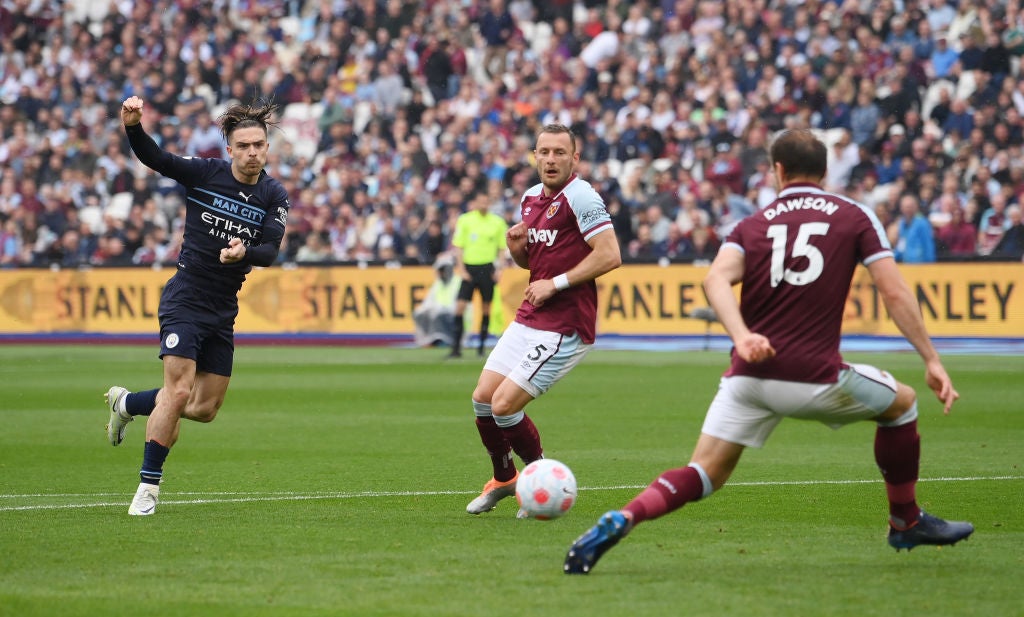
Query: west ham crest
(553,208)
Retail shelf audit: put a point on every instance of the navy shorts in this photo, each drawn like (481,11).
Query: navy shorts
(198,325)
(482,278)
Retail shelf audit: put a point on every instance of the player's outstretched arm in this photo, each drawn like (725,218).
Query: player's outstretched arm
(905,311)
(147,150)
(726,271)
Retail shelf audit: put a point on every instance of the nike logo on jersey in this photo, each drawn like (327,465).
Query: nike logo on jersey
(544,236)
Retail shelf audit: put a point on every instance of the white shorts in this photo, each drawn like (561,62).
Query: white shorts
(747,409)
(535,359)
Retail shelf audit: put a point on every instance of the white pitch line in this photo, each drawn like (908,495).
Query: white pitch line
(244,497)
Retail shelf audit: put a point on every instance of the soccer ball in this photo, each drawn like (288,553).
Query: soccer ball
(546,489)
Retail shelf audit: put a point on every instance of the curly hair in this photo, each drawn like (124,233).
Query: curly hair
(240,116)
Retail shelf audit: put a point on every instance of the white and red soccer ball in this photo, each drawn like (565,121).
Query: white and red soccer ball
(546,489)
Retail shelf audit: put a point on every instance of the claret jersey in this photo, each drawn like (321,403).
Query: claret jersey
(218,208)
(800,253)
(558,228)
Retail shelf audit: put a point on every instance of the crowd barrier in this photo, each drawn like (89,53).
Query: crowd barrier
(958,300)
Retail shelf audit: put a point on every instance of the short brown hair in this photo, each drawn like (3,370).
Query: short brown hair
(800,153)
(561,128)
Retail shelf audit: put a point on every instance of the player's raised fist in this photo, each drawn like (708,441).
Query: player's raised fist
(131,111)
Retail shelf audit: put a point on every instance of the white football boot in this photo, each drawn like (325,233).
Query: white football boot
(146,497)
(119,417)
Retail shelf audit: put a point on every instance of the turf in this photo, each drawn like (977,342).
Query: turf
(334,482)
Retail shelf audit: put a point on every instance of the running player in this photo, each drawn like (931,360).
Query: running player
(795,259)
(235,219)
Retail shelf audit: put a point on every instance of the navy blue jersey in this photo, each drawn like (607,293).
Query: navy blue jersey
(218,208)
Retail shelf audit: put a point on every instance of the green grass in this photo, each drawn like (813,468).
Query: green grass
(334,482)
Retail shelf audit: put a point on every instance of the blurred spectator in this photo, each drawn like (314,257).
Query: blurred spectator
(390,100)
(864,118)
(726,169)
(434,317)
(10,245)
(1011,244)
(314,249)
(843,156)
(887,166)
(643,248)
(676,245)
(993,224)
(911,234)
(957,238)
(436,66)
(703,244)
(960,120)
(433,242)
(206,140)
(496,26)
(943,57)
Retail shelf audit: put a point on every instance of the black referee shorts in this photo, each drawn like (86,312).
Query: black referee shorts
(480,277)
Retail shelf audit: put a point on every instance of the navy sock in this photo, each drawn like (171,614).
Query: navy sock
(153,462)
(140,403)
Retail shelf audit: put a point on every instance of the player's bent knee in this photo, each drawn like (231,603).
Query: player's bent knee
(502,408)
(203,411)
(203,414)
(906,417)
(482,395)
(903,409)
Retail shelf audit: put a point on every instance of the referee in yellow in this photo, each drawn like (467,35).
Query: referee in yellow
(479,238)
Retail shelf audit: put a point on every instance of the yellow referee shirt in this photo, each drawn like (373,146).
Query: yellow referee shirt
(480,236)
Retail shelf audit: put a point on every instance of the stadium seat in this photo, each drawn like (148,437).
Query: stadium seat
(92,216)
(541,39)
(120,205)
(301,129)
(614,168)
(662,164)
(361,115)
(628,168)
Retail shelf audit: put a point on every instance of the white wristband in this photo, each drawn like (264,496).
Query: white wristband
(561,282)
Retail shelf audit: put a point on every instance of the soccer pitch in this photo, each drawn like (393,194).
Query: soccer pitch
(334,482)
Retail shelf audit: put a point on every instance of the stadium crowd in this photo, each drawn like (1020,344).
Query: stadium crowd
(397,113)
